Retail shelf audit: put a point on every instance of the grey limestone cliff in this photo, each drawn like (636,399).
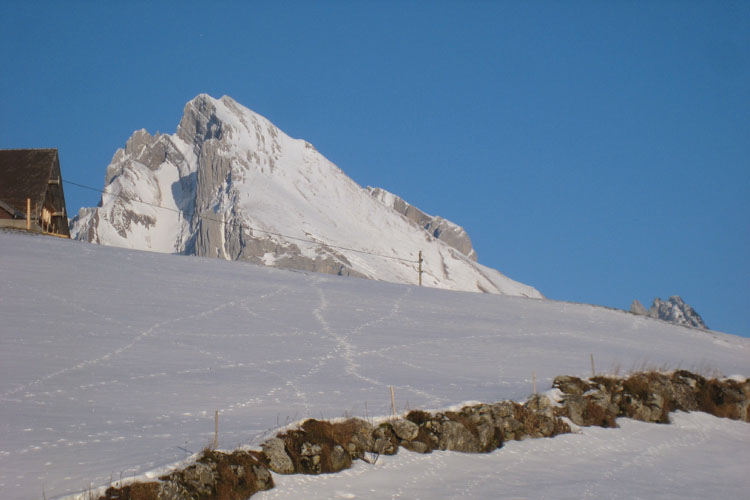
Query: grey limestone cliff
(446,231)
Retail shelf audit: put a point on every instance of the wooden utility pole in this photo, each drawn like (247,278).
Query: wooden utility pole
(28,214)
(393,402)
(420,268)
(216,429)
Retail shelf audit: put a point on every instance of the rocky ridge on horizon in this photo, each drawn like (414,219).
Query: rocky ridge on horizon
(674,310)
(449,232)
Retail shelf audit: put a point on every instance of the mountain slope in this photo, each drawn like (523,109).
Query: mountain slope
(113,361)
(236,187)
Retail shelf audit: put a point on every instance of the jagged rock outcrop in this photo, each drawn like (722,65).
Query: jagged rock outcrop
(230,184)
(452,234)
(637,308)
(674,310)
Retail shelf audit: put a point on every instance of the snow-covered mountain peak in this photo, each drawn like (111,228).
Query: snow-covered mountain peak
(206,118)
(230,184)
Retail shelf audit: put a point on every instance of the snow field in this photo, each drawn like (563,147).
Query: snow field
(113,361)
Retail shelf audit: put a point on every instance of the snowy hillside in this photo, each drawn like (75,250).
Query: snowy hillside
(113,362)
(264,197)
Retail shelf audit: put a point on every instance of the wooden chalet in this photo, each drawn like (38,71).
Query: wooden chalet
(31,192)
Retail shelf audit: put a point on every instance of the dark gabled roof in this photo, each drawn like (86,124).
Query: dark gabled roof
(25,173)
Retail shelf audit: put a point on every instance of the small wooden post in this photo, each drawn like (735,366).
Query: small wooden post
(216,429)
(28,214)
(533,378)
(393,402)
(420,268)
(593,372)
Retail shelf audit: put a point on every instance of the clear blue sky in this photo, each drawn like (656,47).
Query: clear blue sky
(599,151)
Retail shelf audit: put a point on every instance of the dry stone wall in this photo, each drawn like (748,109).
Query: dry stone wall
(319,447)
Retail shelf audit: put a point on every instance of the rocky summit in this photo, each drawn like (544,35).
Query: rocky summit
(230,184)
(674,310)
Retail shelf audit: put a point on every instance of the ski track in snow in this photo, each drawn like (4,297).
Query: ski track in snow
(117,368)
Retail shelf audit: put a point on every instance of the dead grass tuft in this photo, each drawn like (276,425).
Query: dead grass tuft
(536,425)
(341,433)
(595,414)
(135,491)
(418,416)
(610,384)
(641,385)
(429,439)
(720,398)
(326,436)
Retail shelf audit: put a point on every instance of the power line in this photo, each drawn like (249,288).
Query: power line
(237,224)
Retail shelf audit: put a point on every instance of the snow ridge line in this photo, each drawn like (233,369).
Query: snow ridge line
(323,446)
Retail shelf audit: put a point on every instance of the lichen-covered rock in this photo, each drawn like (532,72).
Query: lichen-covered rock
(456,437)
(648,397)
(599,409)
(360,439)
(405,430)
(503,409)
(480,421)
(541,404)
(278,460)
(200,478)
(385,441)
(574,406)
(215,475)
(263,478)
(339,459)
(310,455)
(535,424)
(416,447)
(430,430)
(512,429)
(170,490)
(570,385)
(594,407)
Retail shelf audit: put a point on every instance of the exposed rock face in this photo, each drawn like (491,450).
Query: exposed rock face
(674,310)
(442,229)
(637,308)
(230,184)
